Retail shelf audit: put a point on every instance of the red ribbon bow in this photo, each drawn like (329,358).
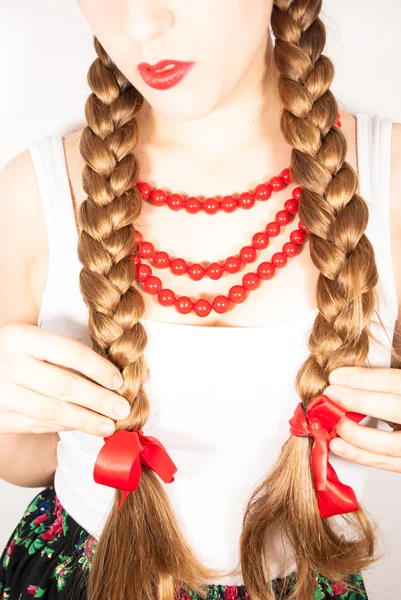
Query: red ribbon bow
(119,462)
(320,421)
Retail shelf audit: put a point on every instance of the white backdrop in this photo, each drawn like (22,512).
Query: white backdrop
(45,52)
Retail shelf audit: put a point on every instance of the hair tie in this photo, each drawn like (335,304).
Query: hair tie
(319,421)
(119,462)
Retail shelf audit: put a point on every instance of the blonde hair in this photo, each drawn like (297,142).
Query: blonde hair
(141,553)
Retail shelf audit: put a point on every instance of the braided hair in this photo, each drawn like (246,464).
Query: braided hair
(141,553)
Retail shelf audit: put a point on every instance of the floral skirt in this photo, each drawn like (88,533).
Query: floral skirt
(49,555)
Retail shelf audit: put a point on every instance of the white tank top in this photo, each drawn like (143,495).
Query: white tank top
(223,431)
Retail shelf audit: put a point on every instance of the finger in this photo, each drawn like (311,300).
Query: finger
(27,402)
(60,350)
(58,383)
(364,457)
(380,379)
(369,438)
(376,404)
(15,423)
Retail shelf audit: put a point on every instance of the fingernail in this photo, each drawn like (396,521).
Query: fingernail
(334,393)
(122,409)
(337,446)
(117,381)
(337,377)
(106,429)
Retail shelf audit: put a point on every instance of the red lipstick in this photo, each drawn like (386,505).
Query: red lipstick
(160,79)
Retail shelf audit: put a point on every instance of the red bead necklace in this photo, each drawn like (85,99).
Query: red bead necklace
(178,266)
(220,304)
(232,264)
(211,206)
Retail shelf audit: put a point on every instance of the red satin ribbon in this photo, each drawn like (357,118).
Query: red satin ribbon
(119,462)
(320,421)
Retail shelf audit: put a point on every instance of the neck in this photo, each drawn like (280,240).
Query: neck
(254,106)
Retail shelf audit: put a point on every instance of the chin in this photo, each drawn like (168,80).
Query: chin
(188,108)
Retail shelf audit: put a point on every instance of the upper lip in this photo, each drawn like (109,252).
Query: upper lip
(159,65)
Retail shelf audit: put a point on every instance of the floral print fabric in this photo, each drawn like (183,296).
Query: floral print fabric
(49,556)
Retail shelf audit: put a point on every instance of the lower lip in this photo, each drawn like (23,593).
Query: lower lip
(164,80)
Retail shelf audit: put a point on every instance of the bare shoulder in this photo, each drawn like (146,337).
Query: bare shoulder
(395,212)
(348,120)
(71,141)
(21,202)
(23,235)
(396,155)
(74,165)
(73,156)
(395,201)
(395,229)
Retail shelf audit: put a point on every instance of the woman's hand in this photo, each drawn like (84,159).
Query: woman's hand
(375,392)
(49,383)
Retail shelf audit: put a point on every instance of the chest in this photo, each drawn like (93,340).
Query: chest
(203,239)
(289,294)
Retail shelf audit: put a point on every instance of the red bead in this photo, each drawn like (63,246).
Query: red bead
(158,197)
(221,304)
(297,236)
(260,240)
(166,297)
(161,260)
(214,271)
(237,294)
(202,307)
(211,206)
(246,200)
(283,217)
(144,188)
(266,270)
(232,264)
(247,254)
(251,281)
(279,260)
(290,249)
(277,183)
(273,229)
(263,191)
(138,237)
(184,305)
(146,250)
(303,228)
(178,266)
(196,272)
(137,259)
(228,204)
(152,284)
(175,201)
(296,193)
(192,205)
(291,205)
(286,176)
(142,272)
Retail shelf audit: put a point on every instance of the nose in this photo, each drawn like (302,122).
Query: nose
(144,20)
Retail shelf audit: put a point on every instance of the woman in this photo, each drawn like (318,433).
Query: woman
(196,98)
